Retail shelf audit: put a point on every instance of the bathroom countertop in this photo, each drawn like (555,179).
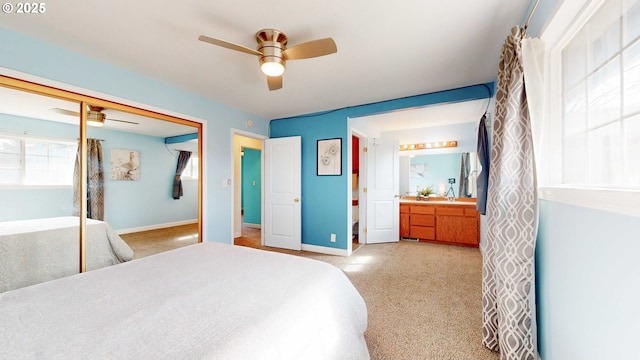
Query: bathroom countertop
(437,202)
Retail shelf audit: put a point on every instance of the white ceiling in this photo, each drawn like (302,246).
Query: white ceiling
(428,116)
(386,50)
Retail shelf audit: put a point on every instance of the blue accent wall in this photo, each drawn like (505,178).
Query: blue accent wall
(32,56)
(251,185)
(180,138)
(325,198)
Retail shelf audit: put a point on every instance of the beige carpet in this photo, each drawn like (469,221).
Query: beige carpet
(151,242)
(424,300)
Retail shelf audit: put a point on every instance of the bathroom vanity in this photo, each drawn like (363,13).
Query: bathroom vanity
(441,221)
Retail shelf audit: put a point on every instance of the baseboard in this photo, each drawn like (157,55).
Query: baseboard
(155,226)
(253,226)
(325,250)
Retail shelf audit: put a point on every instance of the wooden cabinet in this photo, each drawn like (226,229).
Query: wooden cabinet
(422,222)
(404,220)
(440,222)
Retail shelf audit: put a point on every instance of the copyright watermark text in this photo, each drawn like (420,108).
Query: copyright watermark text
(24,8)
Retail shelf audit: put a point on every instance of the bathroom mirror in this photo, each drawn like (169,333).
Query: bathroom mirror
(420,171)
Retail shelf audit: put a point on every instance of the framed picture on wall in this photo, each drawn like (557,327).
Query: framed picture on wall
(125,164)
(329,157)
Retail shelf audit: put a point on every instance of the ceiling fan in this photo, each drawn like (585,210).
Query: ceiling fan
(95,115)
(273,52)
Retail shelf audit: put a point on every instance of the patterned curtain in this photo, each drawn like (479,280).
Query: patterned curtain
(183,160)
(95,181)
(512,208)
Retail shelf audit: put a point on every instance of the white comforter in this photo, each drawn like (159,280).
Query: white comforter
(207,300)
(34,251)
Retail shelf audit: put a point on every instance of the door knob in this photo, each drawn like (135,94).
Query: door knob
(296,200)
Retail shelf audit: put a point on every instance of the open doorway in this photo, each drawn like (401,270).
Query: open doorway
(247,189)
(357,174)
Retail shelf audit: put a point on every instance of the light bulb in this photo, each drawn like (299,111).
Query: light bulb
(272,69)
(95,123)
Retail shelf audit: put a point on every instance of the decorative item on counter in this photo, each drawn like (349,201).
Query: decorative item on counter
(426,192)
(451,194)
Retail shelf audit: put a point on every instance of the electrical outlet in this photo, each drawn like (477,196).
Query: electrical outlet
(333,237)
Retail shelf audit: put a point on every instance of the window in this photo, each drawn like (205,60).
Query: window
(32,161)
(591,127)
(191,170)
(601,99)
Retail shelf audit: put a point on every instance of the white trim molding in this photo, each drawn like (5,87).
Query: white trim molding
(325,250)
(156,226)
(626,202)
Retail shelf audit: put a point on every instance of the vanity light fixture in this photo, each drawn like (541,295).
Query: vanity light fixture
(431,145)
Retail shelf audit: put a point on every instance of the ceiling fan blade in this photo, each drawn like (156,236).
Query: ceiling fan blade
(311,49)
(123,121)
(229,45)
(65,112)
(274,82)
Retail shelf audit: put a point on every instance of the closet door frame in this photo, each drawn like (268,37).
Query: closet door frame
(83,100)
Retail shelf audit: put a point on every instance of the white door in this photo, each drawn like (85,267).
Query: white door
(282,193)
(383,207)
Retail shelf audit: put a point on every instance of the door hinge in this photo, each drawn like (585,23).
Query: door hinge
(364,190)
(364,231)
(364,149)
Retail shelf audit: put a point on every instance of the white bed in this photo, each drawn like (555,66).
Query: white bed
(38,250)
(208,300)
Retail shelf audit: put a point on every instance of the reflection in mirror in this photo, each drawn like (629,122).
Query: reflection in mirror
(38,231)
(150,206)
(132,197)
(435,171)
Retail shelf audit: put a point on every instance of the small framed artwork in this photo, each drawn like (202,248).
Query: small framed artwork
(125,164)
(329,157)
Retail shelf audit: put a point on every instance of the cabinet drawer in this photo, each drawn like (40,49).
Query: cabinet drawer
(470,212)
(450,210)
(423,232)
(423,209)
(423,220)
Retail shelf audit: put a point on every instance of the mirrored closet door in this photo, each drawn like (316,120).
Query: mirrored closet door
(71,193)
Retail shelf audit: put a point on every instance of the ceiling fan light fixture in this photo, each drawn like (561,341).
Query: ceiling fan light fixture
(273,53)
(272,66)
(95,119)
